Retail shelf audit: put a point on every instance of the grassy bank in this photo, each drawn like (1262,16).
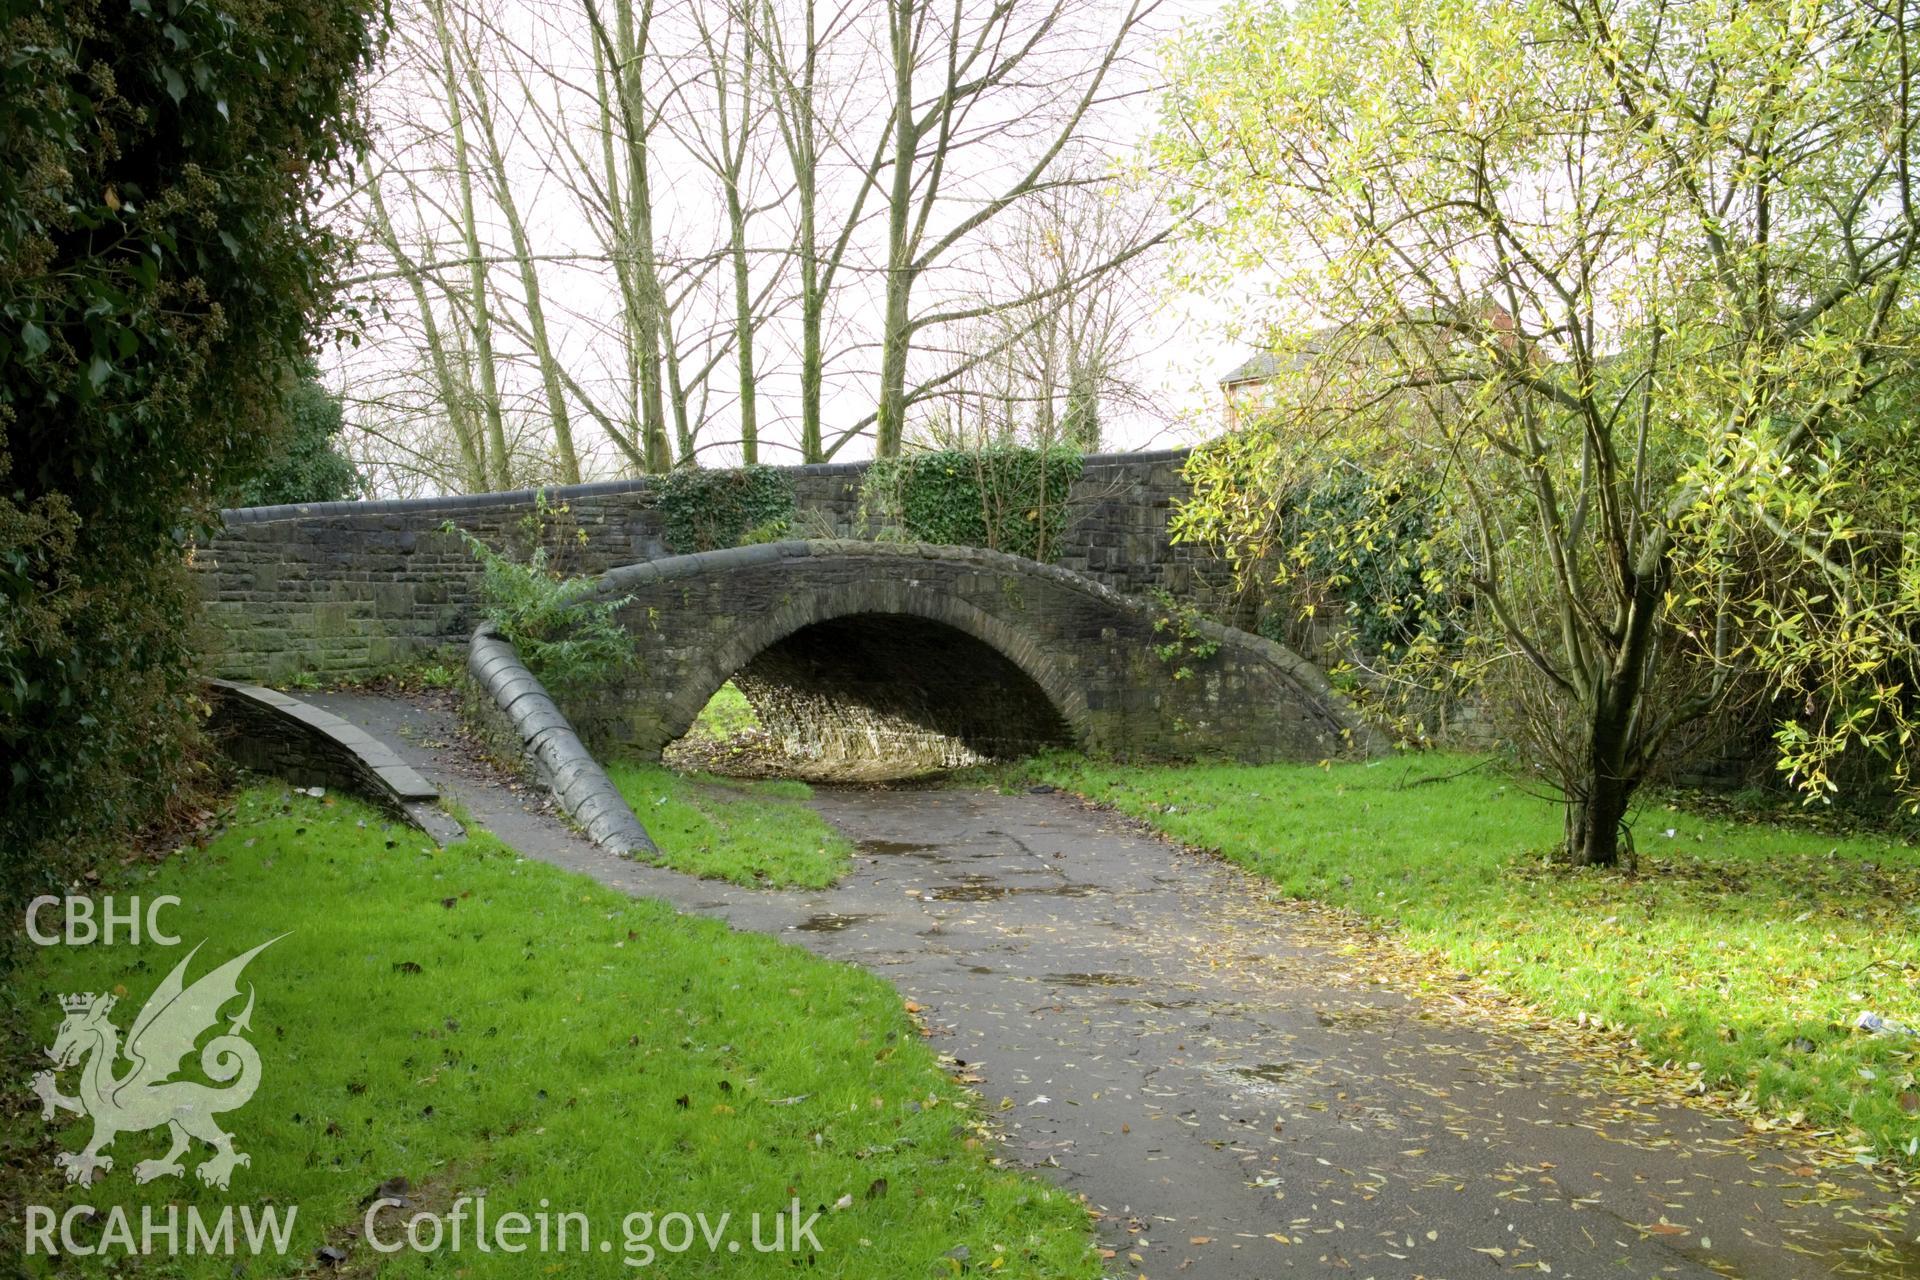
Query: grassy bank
(1743,951)
(470,1021)
(752,833)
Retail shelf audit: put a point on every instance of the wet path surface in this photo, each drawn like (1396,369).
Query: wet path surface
(1152,1030)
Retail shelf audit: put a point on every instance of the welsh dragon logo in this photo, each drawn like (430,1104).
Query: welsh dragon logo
(146,1096)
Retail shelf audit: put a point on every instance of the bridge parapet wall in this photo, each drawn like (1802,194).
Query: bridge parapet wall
(350,589)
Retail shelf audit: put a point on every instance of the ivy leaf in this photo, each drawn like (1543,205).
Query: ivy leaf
(34,339)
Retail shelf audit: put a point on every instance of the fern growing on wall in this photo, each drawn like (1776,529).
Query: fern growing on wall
(566,634)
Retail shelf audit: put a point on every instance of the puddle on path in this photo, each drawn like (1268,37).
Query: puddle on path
(1092,980)
(907,847)
(1260,1079)
(1885,1256)
(1270,1072)
(987,889)
(832,921)
(1167,1006)
(1898,1261)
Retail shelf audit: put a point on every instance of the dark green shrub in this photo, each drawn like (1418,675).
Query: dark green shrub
(1369,547)
(709,510)
(1005,497)
(161,274)
(304,465)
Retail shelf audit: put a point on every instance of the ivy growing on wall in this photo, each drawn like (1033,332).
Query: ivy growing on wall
(165,262)
(709,510)
(1005,497)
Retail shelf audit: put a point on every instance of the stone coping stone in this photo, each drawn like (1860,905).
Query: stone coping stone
(339,748)
(548,742)
(454,503)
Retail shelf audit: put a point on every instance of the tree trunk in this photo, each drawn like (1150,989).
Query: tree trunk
(1595,816)
(895,333)
(500,471)
(812,449)
(734,136)
(676,390)
(743,325)
(812,304)
(624,256)
(644,327)
(893,368)
(1597,801)
(1083,407)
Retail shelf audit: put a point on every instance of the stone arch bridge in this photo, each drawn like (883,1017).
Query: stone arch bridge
(853,648)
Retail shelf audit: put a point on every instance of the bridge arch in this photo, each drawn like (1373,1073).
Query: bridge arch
(877,607)
(1077,662)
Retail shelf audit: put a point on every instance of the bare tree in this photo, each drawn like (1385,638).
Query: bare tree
(679,231)
(448,377)
(481,325)
(1061,349)
(950,74)
(458,49)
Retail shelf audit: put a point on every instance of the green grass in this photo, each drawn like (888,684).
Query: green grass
(726,715)
(1746,949)
(751,833)
(470,1020)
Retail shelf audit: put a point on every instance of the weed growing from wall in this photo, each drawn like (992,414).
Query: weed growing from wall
(567,636)
(1182,643)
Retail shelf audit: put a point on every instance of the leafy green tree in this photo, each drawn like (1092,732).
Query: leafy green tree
(1626,283)
(160,270)
(304,465)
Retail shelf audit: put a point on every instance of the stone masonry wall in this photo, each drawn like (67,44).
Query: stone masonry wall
(349,589)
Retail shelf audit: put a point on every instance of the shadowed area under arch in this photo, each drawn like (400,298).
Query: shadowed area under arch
(897,689)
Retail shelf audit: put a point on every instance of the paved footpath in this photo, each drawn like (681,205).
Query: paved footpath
(1232,1096)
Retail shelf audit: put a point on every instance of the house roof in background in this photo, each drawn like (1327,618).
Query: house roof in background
(1257,369)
